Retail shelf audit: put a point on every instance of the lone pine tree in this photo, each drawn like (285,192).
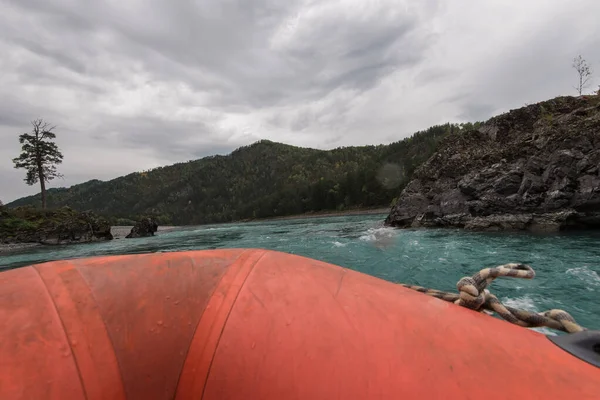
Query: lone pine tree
(39,156)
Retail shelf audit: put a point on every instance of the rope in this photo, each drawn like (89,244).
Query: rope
(473,294)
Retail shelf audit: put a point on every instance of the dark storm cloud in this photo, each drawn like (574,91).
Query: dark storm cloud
(137,84)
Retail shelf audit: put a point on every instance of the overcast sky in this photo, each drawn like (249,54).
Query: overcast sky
(135,84)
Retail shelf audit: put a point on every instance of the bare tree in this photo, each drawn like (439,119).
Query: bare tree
(584,71)
(39,155)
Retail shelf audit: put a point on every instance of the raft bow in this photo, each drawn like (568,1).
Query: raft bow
(258,324)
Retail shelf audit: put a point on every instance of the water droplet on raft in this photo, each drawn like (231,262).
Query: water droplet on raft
(253,344)
(159,323)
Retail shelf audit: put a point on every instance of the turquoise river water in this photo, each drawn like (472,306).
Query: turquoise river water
(567,265)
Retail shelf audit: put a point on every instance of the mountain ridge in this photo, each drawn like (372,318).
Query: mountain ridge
(262,179)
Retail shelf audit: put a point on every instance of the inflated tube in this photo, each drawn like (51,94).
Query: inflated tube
(257,324)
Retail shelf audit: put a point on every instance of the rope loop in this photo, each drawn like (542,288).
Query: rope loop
(473,294)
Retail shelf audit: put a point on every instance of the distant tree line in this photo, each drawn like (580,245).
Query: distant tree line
(265,179)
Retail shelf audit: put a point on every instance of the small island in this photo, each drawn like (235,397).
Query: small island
(28,226)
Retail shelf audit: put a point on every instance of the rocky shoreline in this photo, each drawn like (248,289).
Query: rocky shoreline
(29,225)
(536,168)
(118,232)
(121,231)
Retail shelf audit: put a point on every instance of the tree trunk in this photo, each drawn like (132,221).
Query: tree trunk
(40,168)
(42,185)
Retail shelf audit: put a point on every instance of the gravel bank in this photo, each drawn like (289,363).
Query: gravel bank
(7,247)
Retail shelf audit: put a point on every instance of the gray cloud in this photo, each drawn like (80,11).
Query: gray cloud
(134,85)
(55,55)
(477,112)
(15,111)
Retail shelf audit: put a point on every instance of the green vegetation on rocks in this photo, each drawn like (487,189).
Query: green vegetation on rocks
(60,226)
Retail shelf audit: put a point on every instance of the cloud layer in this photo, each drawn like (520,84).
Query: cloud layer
(136,84)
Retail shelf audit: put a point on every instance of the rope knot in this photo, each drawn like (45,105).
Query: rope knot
(472,293)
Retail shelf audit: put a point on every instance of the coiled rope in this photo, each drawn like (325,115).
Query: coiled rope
(473,294)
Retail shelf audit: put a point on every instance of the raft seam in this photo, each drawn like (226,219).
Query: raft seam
(187,352)
(227,319)
(64,331)
(105,328)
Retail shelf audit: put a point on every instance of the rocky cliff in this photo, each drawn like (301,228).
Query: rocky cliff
(535,168)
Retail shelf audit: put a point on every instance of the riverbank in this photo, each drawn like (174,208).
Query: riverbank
(119,231)
(322,214)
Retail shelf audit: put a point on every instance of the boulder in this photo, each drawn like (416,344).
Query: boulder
(144,227)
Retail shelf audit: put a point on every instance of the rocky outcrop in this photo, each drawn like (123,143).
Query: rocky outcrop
(61,226)
(536,168)
(144,227)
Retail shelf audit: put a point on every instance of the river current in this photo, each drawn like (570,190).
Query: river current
(567,265)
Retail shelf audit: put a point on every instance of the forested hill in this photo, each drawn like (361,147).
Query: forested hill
(264,179)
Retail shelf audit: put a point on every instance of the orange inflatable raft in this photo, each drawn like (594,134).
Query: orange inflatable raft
(256,324)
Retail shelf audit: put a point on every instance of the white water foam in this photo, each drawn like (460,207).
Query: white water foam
(527,303)
(377,234)
(523,303)
(339,244)
(545,331)
(585,274)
